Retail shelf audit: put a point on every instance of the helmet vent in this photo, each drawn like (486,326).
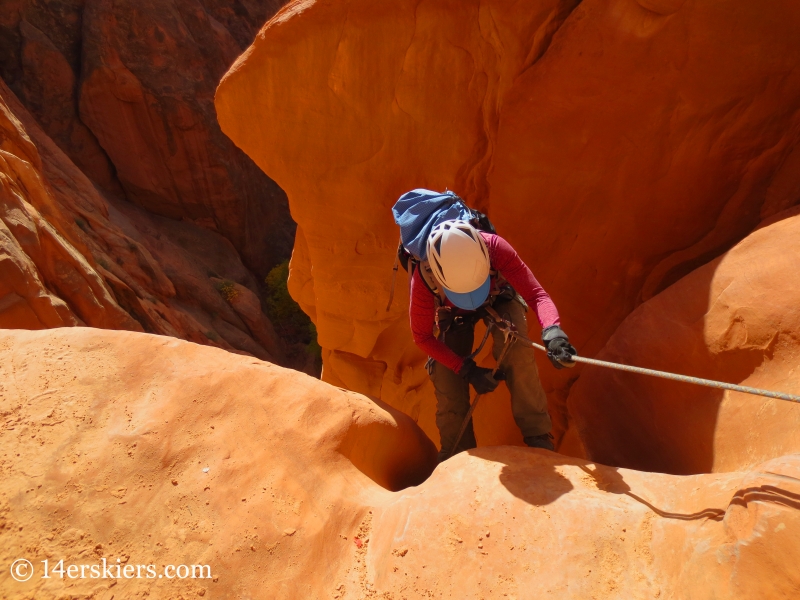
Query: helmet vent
(458,256)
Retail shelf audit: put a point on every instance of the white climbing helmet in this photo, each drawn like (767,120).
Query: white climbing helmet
(459,260)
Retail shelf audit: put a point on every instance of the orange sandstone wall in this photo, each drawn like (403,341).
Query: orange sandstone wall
(734,319)
(617,144)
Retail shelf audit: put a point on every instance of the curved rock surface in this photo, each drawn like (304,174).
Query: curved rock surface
(152,450)
(735,319)
(617,145)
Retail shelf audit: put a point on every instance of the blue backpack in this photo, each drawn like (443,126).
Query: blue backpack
(417,212)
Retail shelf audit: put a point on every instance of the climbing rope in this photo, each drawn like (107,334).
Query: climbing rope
(673,376)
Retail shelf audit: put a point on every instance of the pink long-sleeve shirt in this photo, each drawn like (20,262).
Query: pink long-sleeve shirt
(505,260)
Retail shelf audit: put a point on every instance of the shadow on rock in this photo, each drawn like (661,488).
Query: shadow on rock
(531,475)
(540,477)
(387,445)
(610,480)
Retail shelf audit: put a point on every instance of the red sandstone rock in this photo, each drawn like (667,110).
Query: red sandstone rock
(617,145)
(44,281)
(41,48)
(143,74)
(735,319)
(158,451)
(75,257)
(149,69)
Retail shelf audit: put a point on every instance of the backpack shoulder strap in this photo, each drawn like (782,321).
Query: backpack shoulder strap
(426,274)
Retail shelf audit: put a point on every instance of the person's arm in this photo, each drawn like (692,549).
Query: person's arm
(508,263)
(422,313)
(506,260)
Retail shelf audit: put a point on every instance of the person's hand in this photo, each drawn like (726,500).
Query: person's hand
(479,377)
(559,350)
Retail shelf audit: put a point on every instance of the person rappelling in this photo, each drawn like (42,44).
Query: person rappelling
(462,272)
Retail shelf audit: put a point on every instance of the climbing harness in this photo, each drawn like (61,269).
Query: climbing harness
(512,335)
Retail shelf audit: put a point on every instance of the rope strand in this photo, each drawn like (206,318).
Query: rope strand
(673,376)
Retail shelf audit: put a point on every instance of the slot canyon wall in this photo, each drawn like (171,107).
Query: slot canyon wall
(619,145)
(123,204)
(736,318)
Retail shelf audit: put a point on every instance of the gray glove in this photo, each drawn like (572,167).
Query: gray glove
(480,377)
(559,350)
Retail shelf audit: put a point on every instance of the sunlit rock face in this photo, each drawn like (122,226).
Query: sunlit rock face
(617,145)
(46,281)
(162,452)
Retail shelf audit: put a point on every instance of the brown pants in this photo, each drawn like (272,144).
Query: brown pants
(528,400)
